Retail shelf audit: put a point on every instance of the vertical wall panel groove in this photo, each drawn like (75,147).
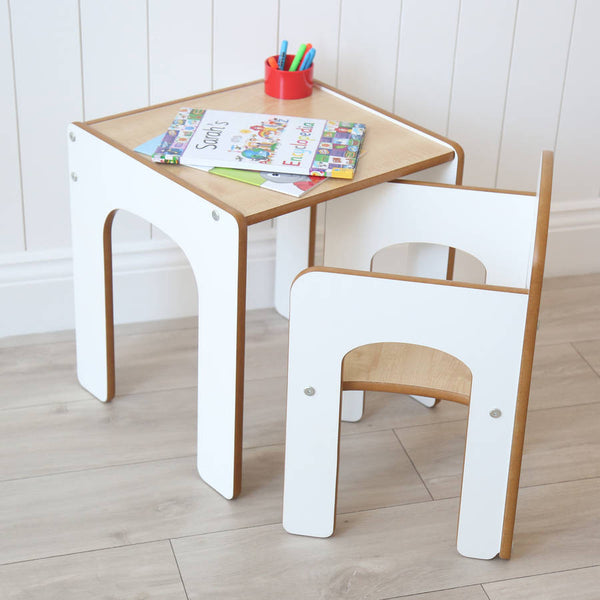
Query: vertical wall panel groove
(564,81)
(452,70)
(510,61)
(480,79)
(244,34)
(298,25)
(212,44)
(451,65)
(114,47)
(397,54)
(148,51)
(368,47)
(425,61)
(179,66)
(534,92)
(339,41)
(48,88)
(577,169)
(12,234)
(115,68)
(84,117)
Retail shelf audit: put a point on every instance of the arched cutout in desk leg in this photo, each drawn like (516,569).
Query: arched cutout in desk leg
(104,179)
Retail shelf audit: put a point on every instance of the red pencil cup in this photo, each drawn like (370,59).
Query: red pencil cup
(288,85)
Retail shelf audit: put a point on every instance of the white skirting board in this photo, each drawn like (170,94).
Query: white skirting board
(153,280)
(574,239)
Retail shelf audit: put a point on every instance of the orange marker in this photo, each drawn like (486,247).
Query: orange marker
(272,62)
(308,47)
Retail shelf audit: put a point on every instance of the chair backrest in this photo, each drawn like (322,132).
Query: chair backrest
(497,227)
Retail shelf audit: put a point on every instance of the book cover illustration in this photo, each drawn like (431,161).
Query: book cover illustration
(257,142)
(285,183)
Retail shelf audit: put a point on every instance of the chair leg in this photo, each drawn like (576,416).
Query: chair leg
(92,281)
(514,472)
(484,329)
(353,402)
(312,439)
(485,478)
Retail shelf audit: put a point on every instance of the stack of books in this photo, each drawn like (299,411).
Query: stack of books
(287,154)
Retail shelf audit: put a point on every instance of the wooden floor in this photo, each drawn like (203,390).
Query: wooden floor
(103,501)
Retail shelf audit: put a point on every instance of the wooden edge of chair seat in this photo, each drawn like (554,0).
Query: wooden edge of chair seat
(407,369)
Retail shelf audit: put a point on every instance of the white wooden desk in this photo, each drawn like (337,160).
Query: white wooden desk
(208,217)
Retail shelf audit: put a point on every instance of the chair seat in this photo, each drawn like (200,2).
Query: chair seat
(407,369)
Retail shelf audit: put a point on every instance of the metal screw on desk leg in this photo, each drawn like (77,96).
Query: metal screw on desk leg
(215,215)
(72,136)
(495,413)
(309,391)
(74,176)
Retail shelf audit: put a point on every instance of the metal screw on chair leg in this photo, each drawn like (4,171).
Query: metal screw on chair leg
(74,176)
(215,215)
(309,391)
(495,413)
(72,136)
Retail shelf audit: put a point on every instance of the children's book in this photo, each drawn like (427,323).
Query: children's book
(286,183)
(256,142)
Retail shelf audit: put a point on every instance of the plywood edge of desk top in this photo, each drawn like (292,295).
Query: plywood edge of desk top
(252,204)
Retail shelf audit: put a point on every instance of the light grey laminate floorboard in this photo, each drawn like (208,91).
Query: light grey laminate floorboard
(580,584)
(590,352)
(569,314)
(74,436)
(472,592)
(129,504)
(561,377)
(94,497)
(392,552)
(561,444)
(147,571)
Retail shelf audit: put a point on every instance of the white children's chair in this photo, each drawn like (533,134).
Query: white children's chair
(468,343)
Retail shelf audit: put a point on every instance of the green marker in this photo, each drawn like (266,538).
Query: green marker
(298,57)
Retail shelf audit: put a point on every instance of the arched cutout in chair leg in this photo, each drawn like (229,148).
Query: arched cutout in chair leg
(490,328)
(471,335)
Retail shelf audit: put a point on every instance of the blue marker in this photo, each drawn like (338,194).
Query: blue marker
(308,59)
(282,53)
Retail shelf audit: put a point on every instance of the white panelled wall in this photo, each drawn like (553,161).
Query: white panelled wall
(504,79)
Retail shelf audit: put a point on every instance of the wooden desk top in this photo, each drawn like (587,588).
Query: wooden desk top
(390,149)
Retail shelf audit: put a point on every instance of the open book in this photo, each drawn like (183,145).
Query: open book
(258,142)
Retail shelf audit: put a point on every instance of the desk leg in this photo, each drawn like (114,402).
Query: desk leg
(92,282)
(215,243)
(293,249)
(221,286)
